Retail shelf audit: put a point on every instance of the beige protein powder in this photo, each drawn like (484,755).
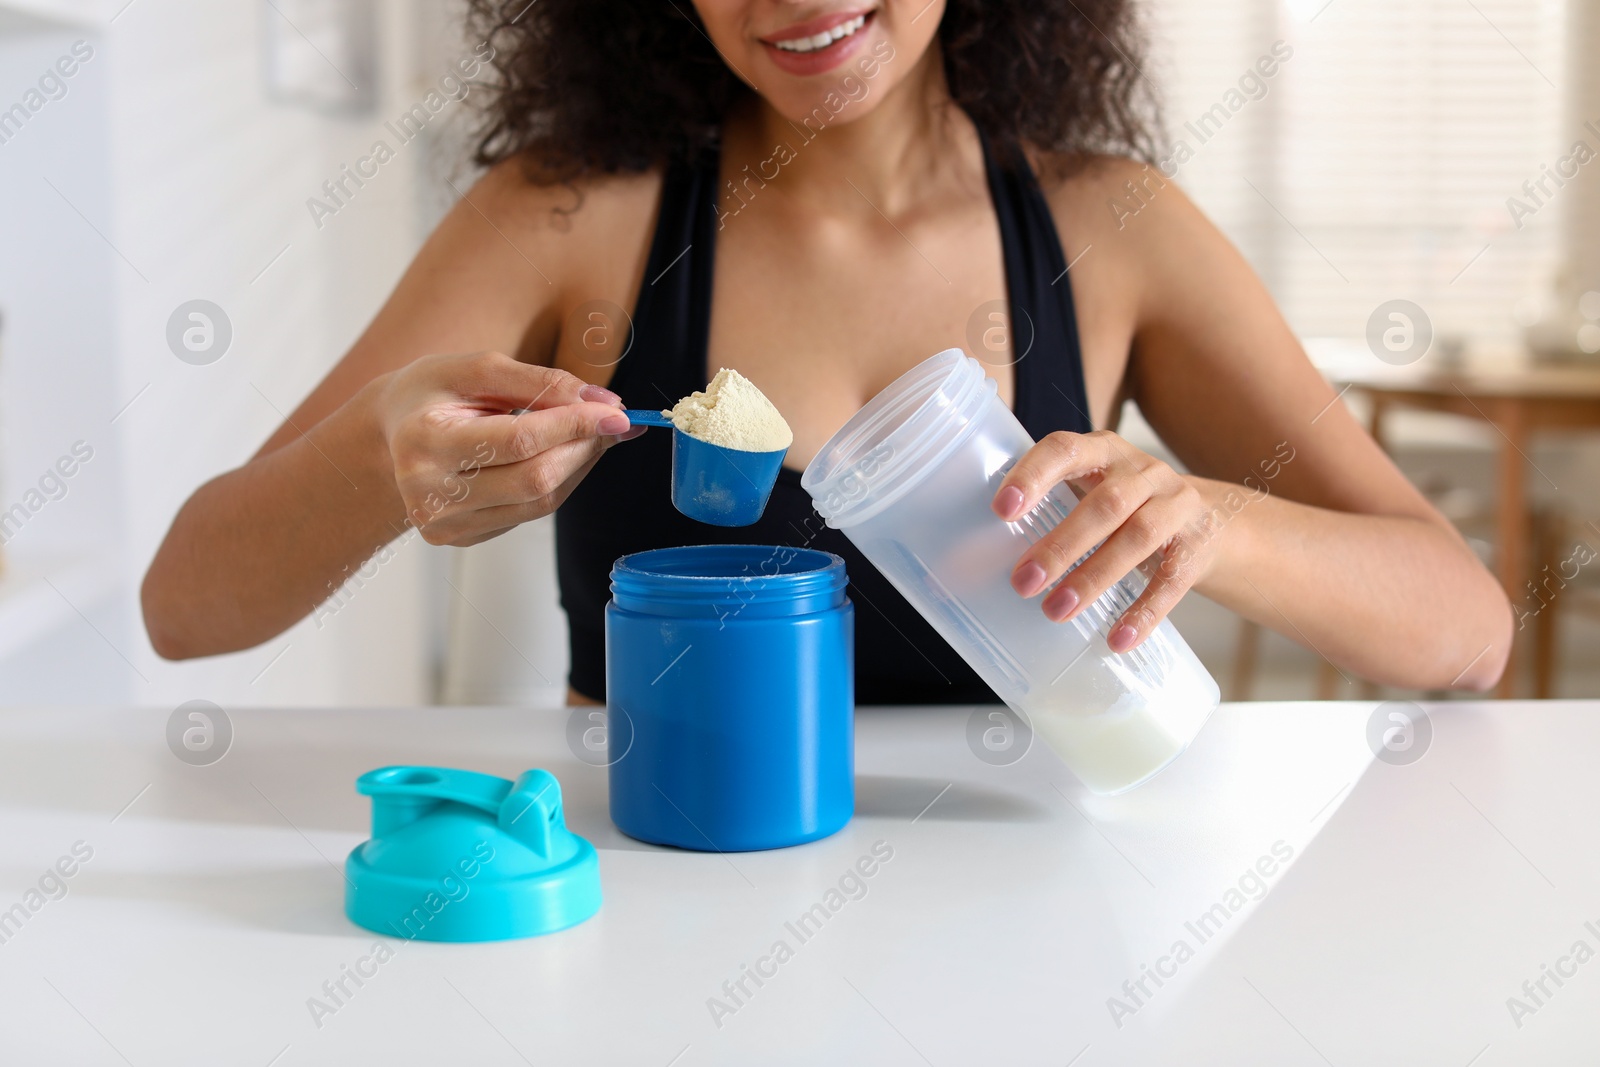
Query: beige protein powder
(733,413)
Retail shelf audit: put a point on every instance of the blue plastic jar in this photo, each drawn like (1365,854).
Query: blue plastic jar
(730,686)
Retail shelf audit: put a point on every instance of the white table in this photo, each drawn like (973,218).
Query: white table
(1418,899)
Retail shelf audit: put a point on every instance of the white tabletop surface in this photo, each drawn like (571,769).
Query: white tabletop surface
(1418,899)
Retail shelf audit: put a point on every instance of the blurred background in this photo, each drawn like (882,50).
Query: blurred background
(1415,180)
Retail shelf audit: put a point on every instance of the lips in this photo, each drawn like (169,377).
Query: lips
(818,44)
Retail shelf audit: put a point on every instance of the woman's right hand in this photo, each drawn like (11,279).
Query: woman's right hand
(466,468)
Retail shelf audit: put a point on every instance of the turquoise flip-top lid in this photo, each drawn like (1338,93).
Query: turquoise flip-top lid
(462,856)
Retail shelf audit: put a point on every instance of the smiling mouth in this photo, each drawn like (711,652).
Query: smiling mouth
(825,39)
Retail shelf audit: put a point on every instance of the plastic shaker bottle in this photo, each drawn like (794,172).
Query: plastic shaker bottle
(909,479)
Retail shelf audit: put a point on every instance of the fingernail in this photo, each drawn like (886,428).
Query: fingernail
(599,394)
(1061,603)
(1008,502)
(614,424)
(1028,579)
(637,431)
(1122,638)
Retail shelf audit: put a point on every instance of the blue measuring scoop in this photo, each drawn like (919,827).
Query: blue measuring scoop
(712,484)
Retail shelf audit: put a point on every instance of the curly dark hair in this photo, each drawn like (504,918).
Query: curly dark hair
(589,87)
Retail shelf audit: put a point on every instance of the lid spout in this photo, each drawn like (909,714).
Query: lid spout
(531,812)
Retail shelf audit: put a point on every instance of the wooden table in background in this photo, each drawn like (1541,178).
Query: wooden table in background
(1517,402)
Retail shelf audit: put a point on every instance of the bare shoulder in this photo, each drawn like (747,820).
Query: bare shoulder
(1213,365)
(512,255)
(515,192)
(552,230)
(1151,240)
(1129,209)
(1112,256)
(500,272)
(1082,182)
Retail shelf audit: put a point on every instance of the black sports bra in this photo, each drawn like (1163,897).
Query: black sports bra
(899,659)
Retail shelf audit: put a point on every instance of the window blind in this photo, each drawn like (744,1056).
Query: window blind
(1377,161)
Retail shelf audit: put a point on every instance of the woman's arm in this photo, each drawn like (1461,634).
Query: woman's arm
(1398,600)
(1291,515)
(389,439)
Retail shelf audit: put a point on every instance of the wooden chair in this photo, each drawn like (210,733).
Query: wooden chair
(1564,584)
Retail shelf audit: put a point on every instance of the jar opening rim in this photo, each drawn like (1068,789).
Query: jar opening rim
(728,581)
(724,563)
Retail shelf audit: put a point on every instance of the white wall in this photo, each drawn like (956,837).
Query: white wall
(169,147)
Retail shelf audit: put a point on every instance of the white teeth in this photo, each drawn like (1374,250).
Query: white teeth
(824,39)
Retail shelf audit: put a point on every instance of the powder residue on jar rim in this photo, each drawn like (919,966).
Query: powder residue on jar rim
(732,413)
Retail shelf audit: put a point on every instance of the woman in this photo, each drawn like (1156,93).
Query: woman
(819,194)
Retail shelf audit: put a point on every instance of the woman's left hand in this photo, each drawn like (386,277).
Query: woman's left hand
(1146,514)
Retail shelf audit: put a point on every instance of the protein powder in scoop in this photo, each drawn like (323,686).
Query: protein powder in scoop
(732,413)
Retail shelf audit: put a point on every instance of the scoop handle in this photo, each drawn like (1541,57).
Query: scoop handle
(646,417)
